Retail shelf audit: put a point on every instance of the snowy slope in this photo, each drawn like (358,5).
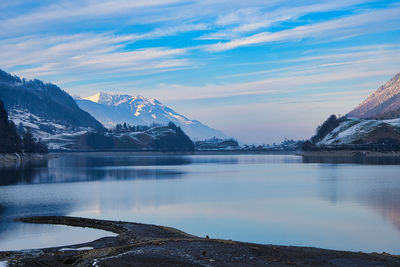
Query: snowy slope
(353,129)
(44,100)
(383,103)
(140,110)
(55,135)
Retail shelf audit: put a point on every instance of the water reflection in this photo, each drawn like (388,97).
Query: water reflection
(24,173)
(66,168)
(356,159)
(386,203)
(376,187)
(246,159)
(118,159)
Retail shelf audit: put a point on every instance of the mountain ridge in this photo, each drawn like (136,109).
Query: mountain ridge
(112,109)
(384,103)
(44,100)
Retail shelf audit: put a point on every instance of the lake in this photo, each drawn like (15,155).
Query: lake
(269,199)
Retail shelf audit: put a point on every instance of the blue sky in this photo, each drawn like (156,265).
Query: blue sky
(257,70)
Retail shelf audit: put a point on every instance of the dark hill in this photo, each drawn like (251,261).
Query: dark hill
(44,100)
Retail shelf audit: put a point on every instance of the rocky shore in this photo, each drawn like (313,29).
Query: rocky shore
(151,245)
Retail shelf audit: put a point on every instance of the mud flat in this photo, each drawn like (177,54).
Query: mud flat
(151,245)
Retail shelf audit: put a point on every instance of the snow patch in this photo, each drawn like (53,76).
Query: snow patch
(75,249)
(138,109)
(3,263)
(94,98)
(180,118)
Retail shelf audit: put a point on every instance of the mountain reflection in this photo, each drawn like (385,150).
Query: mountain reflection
(386,204)
(354,160)
(23,174)
(84,167)
(120,159)
(374,187)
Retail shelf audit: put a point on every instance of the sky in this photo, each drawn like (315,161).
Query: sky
(259,71)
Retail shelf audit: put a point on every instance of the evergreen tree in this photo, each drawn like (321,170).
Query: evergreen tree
(29,143)
(10,141)
(323,130)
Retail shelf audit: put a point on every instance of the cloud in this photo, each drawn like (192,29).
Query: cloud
(81,10)
(290,83)
(345,73)
(85,53)
(360,24)
(242,21)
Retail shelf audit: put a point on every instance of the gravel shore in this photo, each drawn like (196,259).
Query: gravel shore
(151,245)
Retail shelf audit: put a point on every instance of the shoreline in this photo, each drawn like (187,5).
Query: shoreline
(151,245)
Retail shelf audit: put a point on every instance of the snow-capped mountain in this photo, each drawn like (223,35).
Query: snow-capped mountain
(140,110)
(384,103)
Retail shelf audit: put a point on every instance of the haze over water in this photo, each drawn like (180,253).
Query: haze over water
(270,199)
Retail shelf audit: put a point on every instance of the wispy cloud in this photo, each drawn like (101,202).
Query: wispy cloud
(364,23)
(307,74)
(87,53)
(62,11)
(246,20)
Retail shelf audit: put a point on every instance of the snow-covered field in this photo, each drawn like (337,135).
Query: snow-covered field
(54,134)
(62,137)
(353,129)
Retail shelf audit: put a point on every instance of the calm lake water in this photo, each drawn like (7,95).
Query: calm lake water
(270,199)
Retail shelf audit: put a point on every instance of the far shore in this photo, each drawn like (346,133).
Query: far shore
(151,245)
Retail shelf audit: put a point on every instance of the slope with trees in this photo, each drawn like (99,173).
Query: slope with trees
(45,101)
(169,138)
(11,142)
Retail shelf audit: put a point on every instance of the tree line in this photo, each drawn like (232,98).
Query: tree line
(165,141)
(125,128)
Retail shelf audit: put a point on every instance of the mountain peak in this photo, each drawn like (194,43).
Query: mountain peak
(384,103)
(118,99)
